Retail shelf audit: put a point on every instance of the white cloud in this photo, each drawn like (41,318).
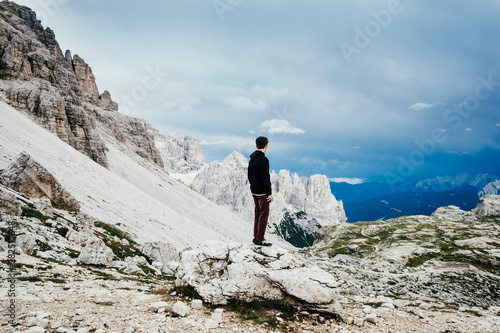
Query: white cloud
(420,106)
(280,126)
(352,181)
(395,72)
(468,129)
(242,103)
(356,147)
(212,143)
(498,124)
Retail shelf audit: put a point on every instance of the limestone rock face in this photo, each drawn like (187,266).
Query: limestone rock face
(226,184)
(85,78)
(489,205)
(133,133)
(321,201)
(59,91)
(27,176)
(180,155)
(221,272)
(26,242)
(35,77)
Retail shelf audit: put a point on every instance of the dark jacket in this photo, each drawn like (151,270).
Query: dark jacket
(258,174)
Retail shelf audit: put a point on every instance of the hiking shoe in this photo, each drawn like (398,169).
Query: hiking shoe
(262,243)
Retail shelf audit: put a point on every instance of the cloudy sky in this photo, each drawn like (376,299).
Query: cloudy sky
(370,90)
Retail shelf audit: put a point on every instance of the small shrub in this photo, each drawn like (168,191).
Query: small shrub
(186,290)
(42,246)
(114,231)
(63,231)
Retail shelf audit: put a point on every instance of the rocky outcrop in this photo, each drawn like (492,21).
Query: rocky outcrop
(489,205)
(226,184)
(95,252)
(161,254)
(44,205)
(27,176)
(85,78)
(180,155)
(9,203)
(221,272)
(106,102)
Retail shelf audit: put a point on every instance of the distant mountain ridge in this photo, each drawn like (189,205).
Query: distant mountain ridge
(376,201)
(447,183)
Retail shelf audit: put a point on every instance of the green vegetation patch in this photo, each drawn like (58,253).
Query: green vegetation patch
(30,278)
(120,250)
(420,260)
(31,212)
(114,231)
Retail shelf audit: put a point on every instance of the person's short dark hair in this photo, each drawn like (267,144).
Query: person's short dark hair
(261,142)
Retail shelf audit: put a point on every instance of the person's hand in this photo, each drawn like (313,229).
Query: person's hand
(270,198)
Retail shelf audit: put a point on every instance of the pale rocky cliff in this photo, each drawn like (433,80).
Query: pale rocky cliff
(179,155)
(59,91)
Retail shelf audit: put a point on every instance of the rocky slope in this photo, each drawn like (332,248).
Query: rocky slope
(425,274)
(298,211)
(452,256)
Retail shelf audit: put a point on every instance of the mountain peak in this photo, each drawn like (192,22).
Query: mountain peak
(236,159)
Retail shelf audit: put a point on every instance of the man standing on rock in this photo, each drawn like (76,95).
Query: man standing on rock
(260,185)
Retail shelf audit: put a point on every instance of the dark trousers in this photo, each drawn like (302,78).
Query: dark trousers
(261,216)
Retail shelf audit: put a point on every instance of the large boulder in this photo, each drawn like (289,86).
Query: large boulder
(221,272)
(25,175)
(161,254)
(489,205)
(95,252)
